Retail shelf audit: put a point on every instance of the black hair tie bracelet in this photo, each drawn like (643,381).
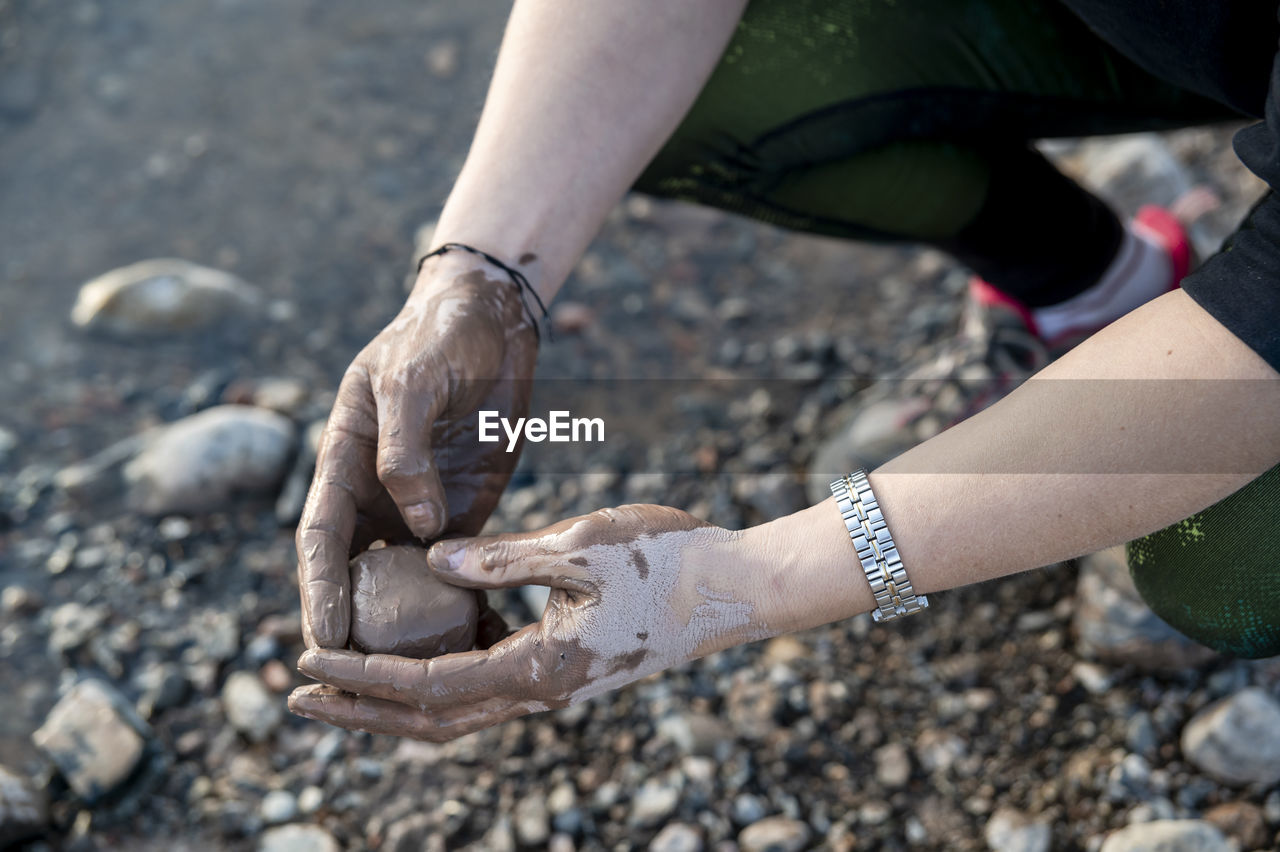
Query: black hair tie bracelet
(516,276)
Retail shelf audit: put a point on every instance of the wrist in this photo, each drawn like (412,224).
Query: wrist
(513,242)
(802,570)
(461,277)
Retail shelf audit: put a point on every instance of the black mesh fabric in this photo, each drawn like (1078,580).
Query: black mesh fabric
(1215,576)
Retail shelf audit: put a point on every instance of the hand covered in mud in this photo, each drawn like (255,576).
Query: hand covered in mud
(634,590)
(400,457)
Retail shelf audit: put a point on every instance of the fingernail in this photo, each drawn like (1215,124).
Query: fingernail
(312,663)
(447,556)
(422,518)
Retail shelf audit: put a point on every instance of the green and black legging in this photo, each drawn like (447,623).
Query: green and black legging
(890,121)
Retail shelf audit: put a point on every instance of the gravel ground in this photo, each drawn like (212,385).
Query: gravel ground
(299,145)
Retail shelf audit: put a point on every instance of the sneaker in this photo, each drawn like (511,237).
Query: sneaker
(998,348)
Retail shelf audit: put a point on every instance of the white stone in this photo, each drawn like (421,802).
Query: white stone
(653,803)
(310,799)
(94,738)
(697,734)
(203,462)
(893,765)
(775,834)
(297,838)
(677,837)
(1009,830)
(165,295)
(531,820)
(1174,835)
(72,624)
(1237,740)
(282,394)
(250,708)
(278,806)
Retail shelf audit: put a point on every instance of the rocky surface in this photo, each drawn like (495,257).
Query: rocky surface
(23,808)
(1007,699)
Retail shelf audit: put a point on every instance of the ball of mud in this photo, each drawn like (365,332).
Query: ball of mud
(399,607)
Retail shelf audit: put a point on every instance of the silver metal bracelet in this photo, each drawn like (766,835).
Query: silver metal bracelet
(876,551)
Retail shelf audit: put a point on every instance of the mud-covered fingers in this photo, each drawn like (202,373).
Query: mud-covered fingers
(406,462)
(438,684)
(504,561)
(376,716)
(344,468)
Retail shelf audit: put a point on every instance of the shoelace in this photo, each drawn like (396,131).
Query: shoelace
(1011,355)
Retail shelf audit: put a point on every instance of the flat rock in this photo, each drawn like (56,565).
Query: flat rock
(24,810)
(297,838)
(203,462)
(94,739)
(162,296)
(1235,740)
(1114,625)
(1169,835)
(774,834)
(250,707)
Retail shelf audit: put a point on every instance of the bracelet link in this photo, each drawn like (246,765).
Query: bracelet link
(876,552)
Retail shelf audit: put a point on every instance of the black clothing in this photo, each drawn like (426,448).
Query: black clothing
(1226,51)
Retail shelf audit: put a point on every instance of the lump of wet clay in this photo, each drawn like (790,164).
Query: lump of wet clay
(399,607)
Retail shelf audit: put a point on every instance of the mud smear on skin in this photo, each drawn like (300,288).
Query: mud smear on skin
(476,475)
(564,665)
(399,607)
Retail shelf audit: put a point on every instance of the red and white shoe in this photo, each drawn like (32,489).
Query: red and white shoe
(999,346)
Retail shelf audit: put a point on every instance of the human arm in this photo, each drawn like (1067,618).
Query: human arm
(1121,437)
(583,95)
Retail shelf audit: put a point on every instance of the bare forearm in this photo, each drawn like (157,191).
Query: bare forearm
(583,96)
(1153,419)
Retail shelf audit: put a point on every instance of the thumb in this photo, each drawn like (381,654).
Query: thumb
(406,462)
(501,562)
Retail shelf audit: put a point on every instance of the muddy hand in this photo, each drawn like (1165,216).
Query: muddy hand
(399,456)
(634,590)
